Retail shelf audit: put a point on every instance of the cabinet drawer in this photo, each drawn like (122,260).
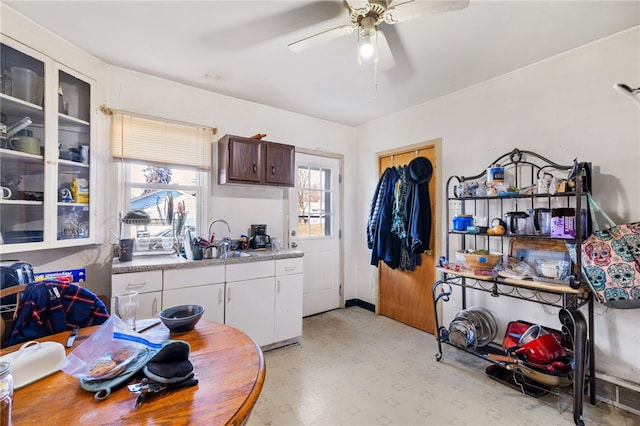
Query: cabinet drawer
(142,282)
(191,277)
(250,271)
(211,297)
(289,266)
(149,305)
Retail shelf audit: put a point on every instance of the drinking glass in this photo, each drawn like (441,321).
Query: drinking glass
(127,307)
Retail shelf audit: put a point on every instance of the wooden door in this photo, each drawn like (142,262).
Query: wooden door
(406,295)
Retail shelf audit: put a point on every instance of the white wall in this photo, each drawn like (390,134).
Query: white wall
(239,205)
(242,205)
(563,107)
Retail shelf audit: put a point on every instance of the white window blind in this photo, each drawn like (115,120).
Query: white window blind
(156,141)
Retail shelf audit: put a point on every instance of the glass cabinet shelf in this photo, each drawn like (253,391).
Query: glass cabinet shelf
(45,152)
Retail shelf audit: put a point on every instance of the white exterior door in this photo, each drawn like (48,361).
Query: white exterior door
(314,228)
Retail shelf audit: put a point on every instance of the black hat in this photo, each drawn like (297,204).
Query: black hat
(419,170)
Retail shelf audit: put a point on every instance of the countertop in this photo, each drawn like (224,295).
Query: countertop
(164,262)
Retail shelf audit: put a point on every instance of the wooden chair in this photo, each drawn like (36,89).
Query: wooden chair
(17,290)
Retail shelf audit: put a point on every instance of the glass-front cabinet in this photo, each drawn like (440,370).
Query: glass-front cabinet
(45,152)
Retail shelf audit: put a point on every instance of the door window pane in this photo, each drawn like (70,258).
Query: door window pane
(314,202)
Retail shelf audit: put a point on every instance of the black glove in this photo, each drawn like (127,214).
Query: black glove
(171,364)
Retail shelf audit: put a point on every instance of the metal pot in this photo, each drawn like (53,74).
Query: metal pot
(542,350)
(531,333)
(549,378)
(209,252)
(557,374)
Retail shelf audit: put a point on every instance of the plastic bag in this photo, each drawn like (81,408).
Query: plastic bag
(108,352)
(515,268)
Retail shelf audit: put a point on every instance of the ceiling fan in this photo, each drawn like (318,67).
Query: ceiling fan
(366,15)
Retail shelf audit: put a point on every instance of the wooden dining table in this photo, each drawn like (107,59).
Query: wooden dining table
(228,364)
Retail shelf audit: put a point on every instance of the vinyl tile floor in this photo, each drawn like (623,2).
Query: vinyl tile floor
(353,367)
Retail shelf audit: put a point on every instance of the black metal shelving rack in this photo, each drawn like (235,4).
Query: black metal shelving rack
(527,167)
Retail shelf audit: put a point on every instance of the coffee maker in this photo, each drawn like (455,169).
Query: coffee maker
(259,238)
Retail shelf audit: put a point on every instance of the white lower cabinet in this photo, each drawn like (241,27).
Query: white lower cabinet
(263,299)
(250,308)
(149,286)
(288,298)
(201,285)
(250,303)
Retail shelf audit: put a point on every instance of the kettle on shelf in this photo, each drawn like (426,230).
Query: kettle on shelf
(516,222)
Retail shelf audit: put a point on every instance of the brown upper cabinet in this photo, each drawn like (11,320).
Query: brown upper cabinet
(252,161)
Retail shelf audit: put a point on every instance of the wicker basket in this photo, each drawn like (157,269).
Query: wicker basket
(481,262)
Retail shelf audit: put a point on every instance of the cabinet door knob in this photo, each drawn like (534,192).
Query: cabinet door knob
(273,170)
(219,295)
(255,168)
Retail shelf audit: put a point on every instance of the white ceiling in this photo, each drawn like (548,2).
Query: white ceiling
(239,48)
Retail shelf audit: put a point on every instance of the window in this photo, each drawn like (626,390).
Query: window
(314,202)
(164,167)
(172,196)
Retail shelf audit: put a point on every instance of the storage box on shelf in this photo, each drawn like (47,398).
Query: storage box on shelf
(514,208)
(45,154)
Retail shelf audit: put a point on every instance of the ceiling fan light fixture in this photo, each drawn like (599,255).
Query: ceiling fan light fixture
(367,37)
(366,47)
(367,27)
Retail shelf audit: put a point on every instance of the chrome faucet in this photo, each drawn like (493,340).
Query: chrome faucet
(215,221)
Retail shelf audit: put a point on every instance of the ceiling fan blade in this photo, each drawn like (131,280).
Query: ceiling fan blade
(385,57)
(416,8)
(322,37)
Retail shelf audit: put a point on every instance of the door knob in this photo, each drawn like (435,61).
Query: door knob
(294,244)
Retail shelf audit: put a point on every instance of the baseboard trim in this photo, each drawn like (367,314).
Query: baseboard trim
(618,393)
(360,303)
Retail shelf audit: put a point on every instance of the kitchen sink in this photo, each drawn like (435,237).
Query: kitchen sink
(237,253)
